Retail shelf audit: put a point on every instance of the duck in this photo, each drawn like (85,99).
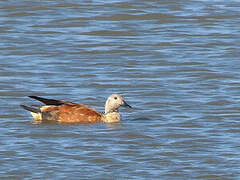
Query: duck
(68,112)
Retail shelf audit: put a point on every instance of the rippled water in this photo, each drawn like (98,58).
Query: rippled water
(176,62)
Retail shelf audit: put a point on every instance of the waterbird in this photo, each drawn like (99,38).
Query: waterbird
(67,112)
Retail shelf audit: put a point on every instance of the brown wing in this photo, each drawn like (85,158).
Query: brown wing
(75,113)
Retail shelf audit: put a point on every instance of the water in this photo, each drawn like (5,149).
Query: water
(176,62)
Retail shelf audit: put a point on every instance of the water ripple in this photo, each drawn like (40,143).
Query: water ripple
(176,63)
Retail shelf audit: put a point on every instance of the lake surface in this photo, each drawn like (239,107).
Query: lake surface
(176,62)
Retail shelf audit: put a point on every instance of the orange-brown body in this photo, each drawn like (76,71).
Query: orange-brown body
(75,113)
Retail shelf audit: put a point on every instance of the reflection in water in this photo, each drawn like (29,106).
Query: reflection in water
(36,122)
(114,125)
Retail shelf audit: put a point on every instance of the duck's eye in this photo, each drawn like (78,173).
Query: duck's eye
(115,98)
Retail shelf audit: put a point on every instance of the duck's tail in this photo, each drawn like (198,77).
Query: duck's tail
(36,113)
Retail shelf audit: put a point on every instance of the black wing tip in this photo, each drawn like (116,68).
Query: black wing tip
(31,109)
(38,98)
(22,106)
(33,97)
(48,101)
